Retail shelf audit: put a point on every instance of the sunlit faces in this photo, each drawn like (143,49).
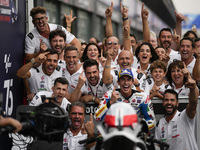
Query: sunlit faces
(93,52)
(158,74)
(177,76)
(77,116)
(71,59)
(186,50)
(40,22)
(58,43)
(170,103)
(113,42)
(60,91)
(166,39)
(50,64)
(153,41)
(92,75)
(125,59)
(125,83)
(144,54)
(160,52)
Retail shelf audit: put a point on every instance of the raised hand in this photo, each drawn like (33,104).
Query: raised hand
(176,37)
(185,71)
(69,18)
(115,96)
(144,12)
(124,11)
(43,46)
(82,79)
(41,58)
(179,17)
(89,126)
(109,11)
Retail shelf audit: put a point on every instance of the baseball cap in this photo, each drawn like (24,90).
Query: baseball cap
(125,72)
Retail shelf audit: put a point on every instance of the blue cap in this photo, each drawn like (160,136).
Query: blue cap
(125,72)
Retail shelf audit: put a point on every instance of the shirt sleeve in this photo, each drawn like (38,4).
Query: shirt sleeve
(36,100)
(29,45)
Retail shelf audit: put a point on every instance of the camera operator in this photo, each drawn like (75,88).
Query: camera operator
(10,121)
(59,89)
(78,130)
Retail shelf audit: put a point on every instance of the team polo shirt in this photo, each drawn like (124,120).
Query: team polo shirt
(33,38)
(71,142)
(98,90)
(73,79)
(39,81)
(178,133)
(62,65)
(183,91)
(147,72)
(174,55)
(149,83)
(37,100)
(190,66)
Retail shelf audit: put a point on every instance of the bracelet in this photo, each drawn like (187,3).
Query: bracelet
(107,66)
(33,61)
(68,26)
(124,19)
(94,98)
(137,85)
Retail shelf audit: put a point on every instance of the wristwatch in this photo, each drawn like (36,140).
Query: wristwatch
(33,61)
(94,98)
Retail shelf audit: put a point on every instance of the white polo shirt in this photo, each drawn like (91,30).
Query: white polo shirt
(37,100)
(191,66)
(33,39)
(73,79)
(173,55)
(39,81)
(71,142)
(178,133)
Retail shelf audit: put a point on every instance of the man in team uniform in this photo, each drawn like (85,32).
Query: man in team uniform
(91,86)
(40,34)
(178,128)
(59,91)
(139,100)
(43,77)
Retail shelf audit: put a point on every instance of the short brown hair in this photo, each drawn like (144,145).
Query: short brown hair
(158,64)
(37,10)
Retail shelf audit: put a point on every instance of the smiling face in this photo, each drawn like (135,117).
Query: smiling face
(158,74)
(170,103)
(58,43)
(186,50)
(166,39)
(125,83)
(92,75)
(113,42)
(71,59)
(177,76)
(40,22)
(50,64)
(144,54)
(153,41)
(60,90)
(77,116)
(93,52)
(125,59)
(160,52)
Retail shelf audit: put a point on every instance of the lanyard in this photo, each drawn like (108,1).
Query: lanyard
(92,90)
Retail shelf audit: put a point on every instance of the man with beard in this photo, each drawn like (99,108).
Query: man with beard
(165,39)
(138,100)
(78,130)
(177,128)
(42,77)
(91,86)
(59,91)
(39,35)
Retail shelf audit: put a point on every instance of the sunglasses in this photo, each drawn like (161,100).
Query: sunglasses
(110,43)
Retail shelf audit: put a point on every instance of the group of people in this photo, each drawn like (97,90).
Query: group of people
(59,65)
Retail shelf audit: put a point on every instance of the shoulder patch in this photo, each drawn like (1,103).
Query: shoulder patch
(36,69)
(157,123)
(58,68)
(30,35)
(149,81)
(116,72)
(59,27)
(166,86)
